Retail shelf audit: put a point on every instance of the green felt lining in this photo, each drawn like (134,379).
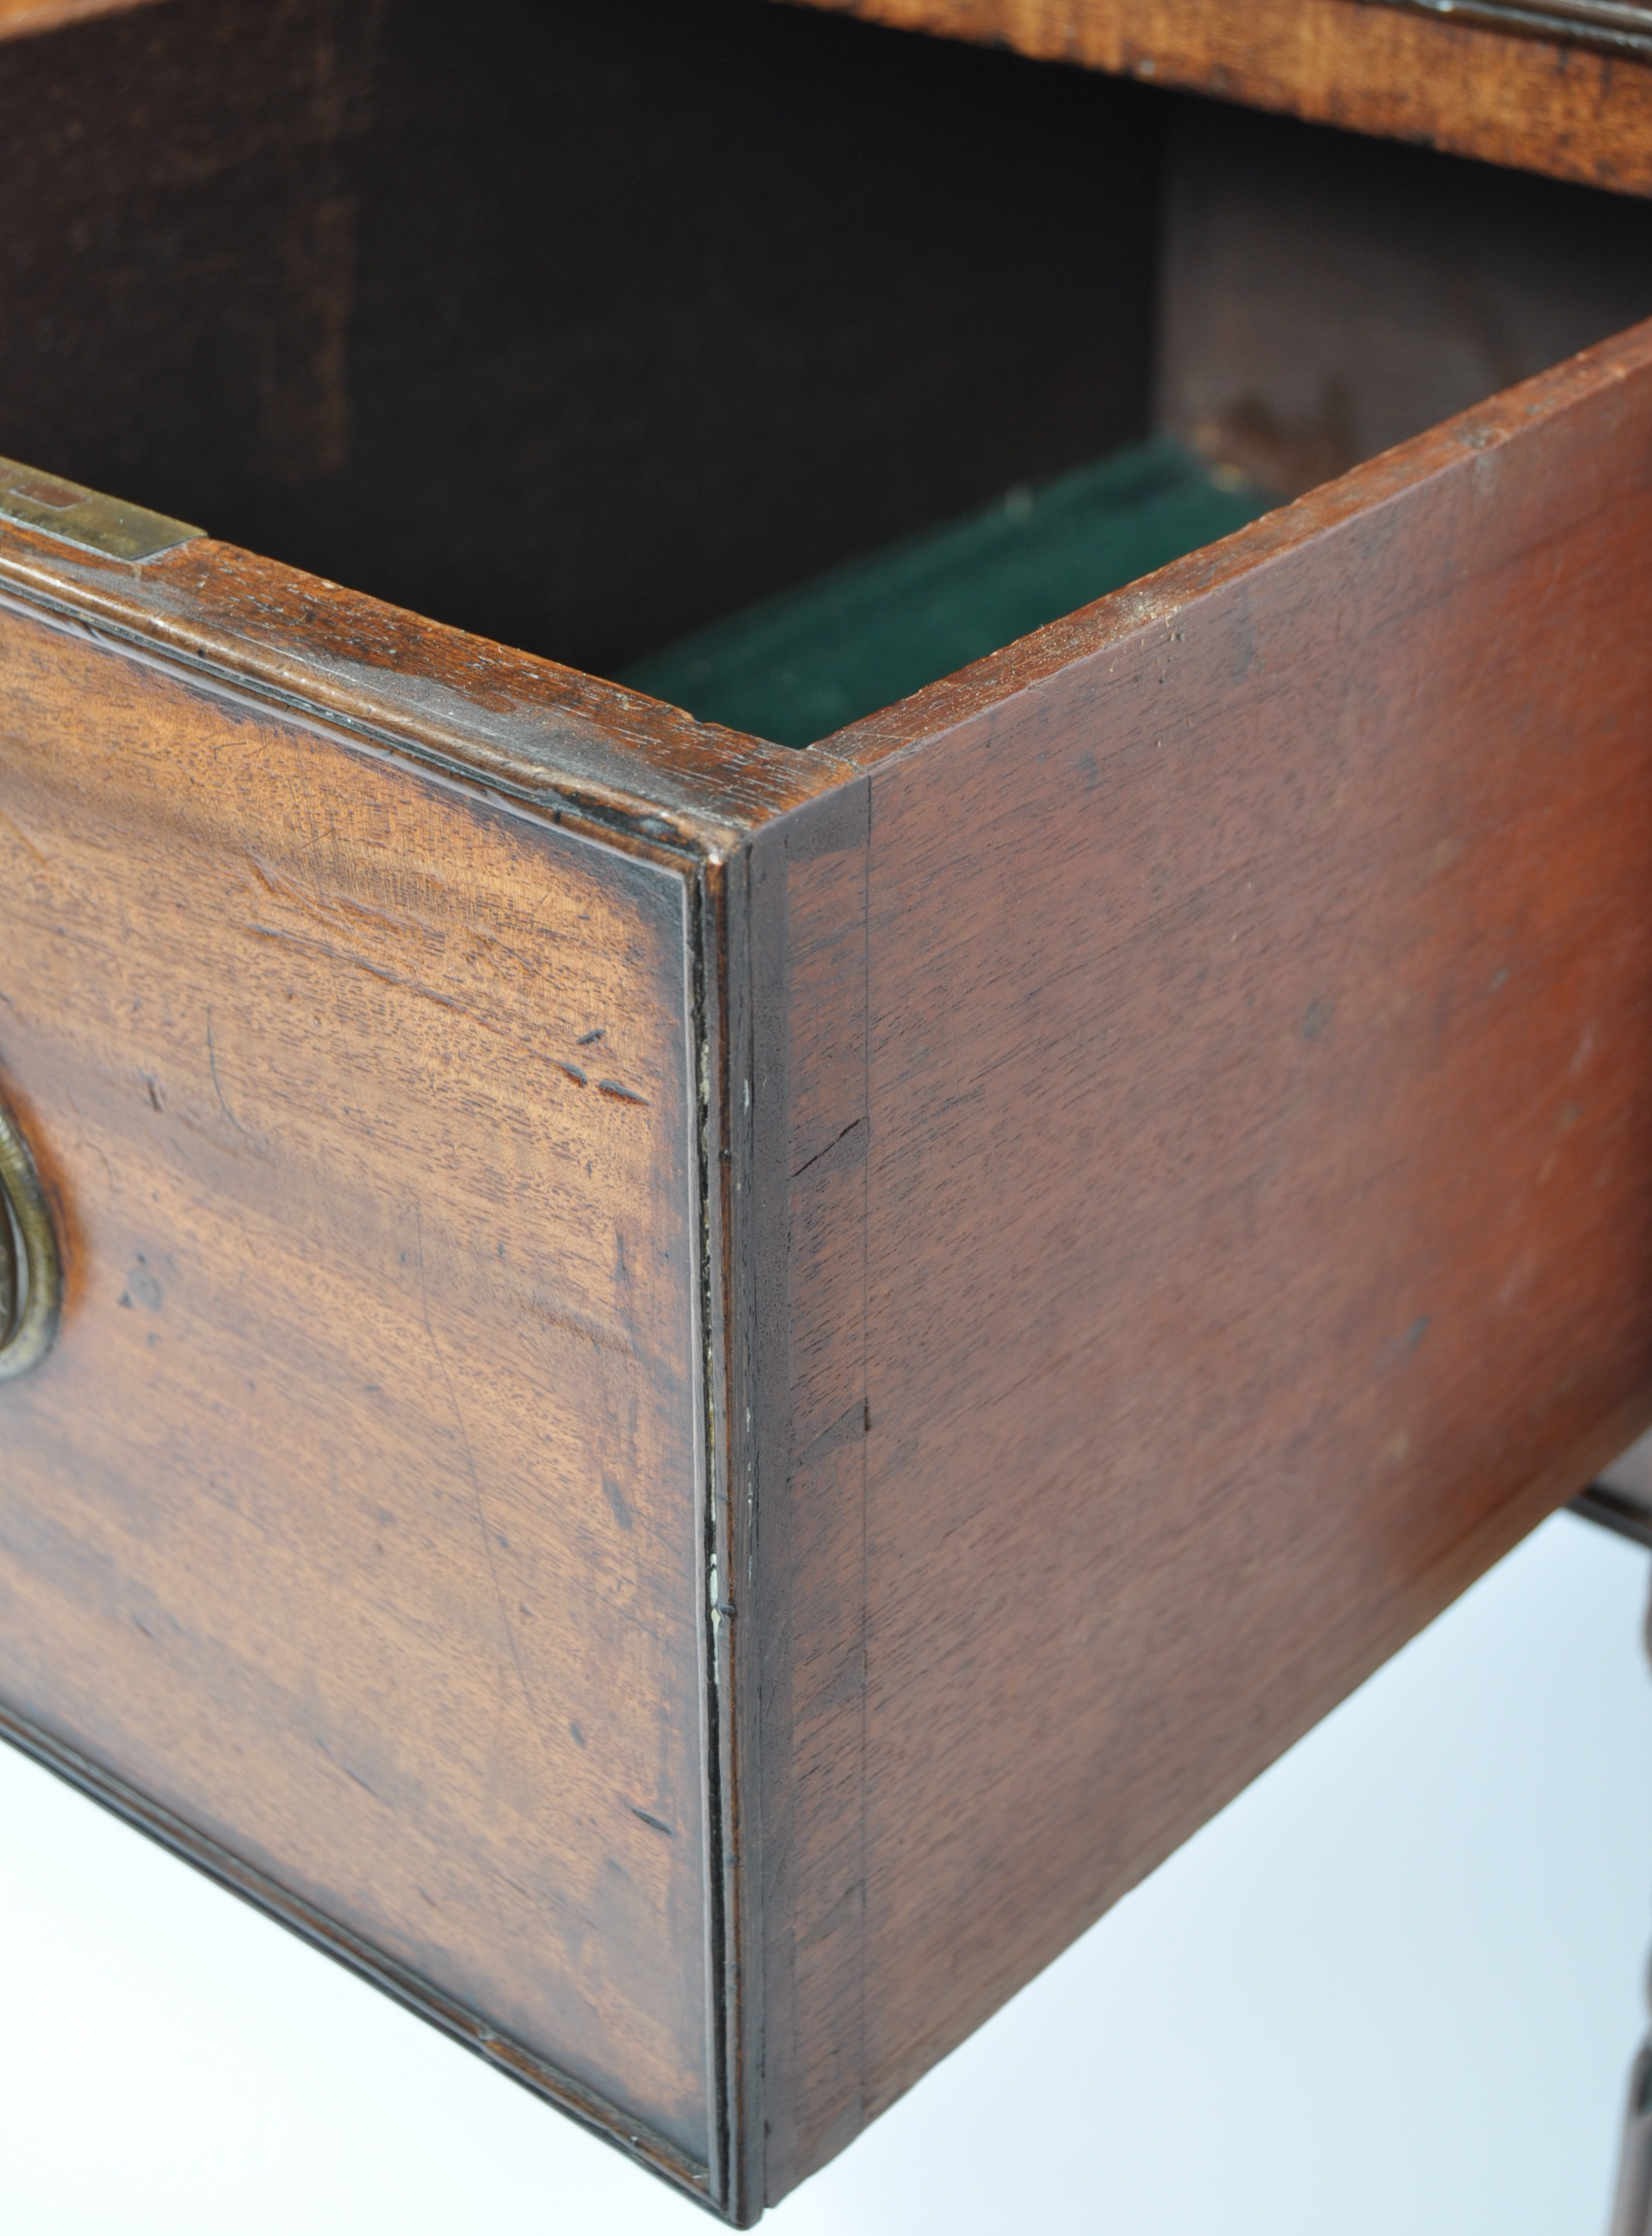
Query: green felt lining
(800,665)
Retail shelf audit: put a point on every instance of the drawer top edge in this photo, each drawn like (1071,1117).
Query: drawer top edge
(635,769)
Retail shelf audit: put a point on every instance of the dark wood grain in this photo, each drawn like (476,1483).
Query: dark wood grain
(1472,91)
(1324,296)
(1252,1235)
(574,327)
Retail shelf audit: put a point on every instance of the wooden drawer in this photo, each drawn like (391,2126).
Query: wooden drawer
(706,1393)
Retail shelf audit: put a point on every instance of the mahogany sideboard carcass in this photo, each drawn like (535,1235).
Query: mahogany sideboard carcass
(689,1398)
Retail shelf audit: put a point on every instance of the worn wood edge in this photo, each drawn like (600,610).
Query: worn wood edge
(701,918)
(1503,96)
(22,19)
(1158,600)
(755,1596)
(568,742)
(427,766)
(705,915)
(716,1138)
(731,1625)
(633,2137)
(733,1241)
(767,1580)
(748,1288)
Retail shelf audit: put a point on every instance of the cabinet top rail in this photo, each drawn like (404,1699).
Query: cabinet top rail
(1619,26)
(1562,87)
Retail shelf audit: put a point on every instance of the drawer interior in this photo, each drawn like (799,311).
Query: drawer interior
(588,329)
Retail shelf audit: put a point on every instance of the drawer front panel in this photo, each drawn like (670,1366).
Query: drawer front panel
(354,1517)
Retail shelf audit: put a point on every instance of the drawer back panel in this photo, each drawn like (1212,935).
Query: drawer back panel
(1323,297)
(574,326)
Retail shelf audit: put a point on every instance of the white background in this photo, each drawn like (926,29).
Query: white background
(1393,1991)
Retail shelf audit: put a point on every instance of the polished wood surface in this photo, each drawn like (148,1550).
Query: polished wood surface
(354,1517)
(1219,1039)
(1502,97)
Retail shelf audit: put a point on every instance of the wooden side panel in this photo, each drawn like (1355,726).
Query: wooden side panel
(1506,99)
(1258,1226)
(810,878)
(356,1517)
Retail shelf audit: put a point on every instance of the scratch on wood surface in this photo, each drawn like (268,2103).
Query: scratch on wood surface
(582,1324)
(212,1059)
(24,840)
(325,951)
(329,910)
(343,1769)
(848,1429)
(856,1149)
(476,1480)
(331,954)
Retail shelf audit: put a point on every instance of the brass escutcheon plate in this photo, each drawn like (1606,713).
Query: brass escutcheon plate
(79,515)
(31,1273)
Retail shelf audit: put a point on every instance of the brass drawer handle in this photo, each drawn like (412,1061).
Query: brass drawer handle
(31,1270)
